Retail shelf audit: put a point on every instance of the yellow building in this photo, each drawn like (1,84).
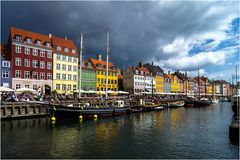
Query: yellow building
(100,66)
(160,84)
(65,65)
(210,89)
(175,83)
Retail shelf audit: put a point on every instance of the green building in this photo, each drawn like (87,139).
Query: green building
(88,77)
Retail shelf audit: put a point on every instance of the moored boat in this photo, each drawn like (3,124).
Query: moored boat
(176,104)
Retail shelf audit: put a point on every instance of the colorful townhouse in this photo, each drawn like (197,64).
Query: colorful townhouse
(190,90)
(182,79)
(158,73)
(65,65)
(32,62)
(175,83)
(120,80)
(88,77)
(167,83)
(100,66)
(6,67)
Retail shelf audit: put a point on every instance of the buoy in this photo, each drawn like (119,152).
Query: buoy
(53,119)
(53,122)
(80,117)
(95,116)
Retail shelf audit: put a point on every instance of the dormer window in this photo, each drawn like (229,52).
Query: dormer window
(38,42)
(18,38)
(65,49)
(136,71)
(74,51)
(141,72)
(99,66)
(29,40)
(59,48)
(47,44)
(89,64)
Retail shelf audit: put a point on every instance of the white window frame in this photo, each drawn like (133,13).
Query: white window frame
(42,64)
(74,68)
(17,73)
(64,58)
(49,76)
(6,64)
(18,61)
(33,74)
(35,52)
(58,56)
(74,77)
(64,67)
(59,48)
(27,62)
(69,77)
(49,54)
(58,66)
(73,51)
(42,53)
(64,76)
(58,86)
(49,65)
(69,59)
(18,49)
(42,75)
(69,67)
(5,74)
(66,49)
(27,50)
(25,73)
(35,64)
(58,76)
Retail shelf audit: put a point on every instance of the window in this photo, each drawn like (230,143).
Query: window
(38,42)
(6,64)
(57,86)
(27,86)
(42,64)
(42,75)
(74,59)
(29,40)
(74,51)
(64,87)
(18,74)
(42,53)
(5,74)
(69,87)
(27,50)
(49,76)
(27,74)
(35,52)
(18,61)
(59,48)
(49,65)
(49,54)
(35,63)
(64,67)
(47,44)
(58,76)
(69,68)
(74,86)
(18,38)
(58,67)
(65,49)
(58,56)
(18,49)
(69,77)
(64,76)
(35,87)
(74,77)
(27,63)
(74,68)
(35,75)
(63,57)
(69,59)
(18,86)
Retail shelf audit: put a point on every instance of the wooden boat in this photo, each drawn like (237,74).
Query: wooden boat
(176,104)
(159,108)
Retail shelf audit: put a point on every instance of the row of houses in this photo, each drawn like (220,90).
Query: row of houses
(46,63)
(149,78)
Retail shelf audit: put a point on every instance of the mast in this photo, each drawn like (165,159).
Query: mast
(108,36)
(80,72)
(198,85)
(186,82)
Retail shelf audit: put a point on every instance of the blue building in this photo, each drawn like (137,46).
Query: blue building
(6,67)
(167,84)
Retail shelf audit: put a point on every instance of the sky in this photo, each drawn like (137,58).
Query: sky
(176,35)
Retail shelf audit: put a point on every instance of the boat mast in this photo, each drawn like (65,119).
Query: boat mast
(198,85)
(107,63)
(186,82)
(80,72)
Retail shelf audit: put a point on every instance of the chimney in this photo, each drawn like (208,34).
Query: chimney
(168,72)
(99,57)
(50,35)
(140,64)
(65,37)
(152,63)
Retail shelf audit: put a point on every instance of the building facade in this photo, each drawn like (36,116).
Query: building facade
(100,67)
(167,84)
(31,55)
(6,67)
(65,65)
(88,78)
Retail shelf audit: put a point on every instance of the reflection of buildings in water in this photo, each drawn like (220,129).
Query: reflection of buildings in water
(64,141)
(175,116)
(159,119)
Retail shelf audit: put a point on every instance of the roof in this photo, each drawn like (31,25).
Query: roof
(5,52)
(120,76)
(170,76)
(95,62)
(25,33)
(144,69)
(153,69)
(64,43)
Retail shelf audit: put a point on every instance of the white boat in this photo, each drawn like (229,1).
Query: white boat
(215,101)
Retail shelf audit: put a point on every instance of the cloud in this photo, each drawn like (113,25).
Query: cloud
(162,32)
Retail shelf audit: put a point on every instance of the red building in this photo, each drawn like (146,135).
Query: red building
(31,60)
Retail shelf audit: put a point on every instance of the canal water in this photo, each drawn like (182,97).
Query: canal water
(173,133)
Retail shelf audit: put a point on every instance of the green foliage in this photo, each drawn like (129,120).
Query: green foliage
(54,92)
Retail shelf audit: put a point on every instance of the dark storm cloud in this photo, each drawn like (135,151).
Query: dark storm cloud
(138,30)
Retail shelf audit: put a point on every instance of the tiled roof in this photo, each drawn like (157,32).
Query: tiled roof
(25,33)
(95,62)
(64,43)
(144,69)
(120,76)
(153,69)
(170,76)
